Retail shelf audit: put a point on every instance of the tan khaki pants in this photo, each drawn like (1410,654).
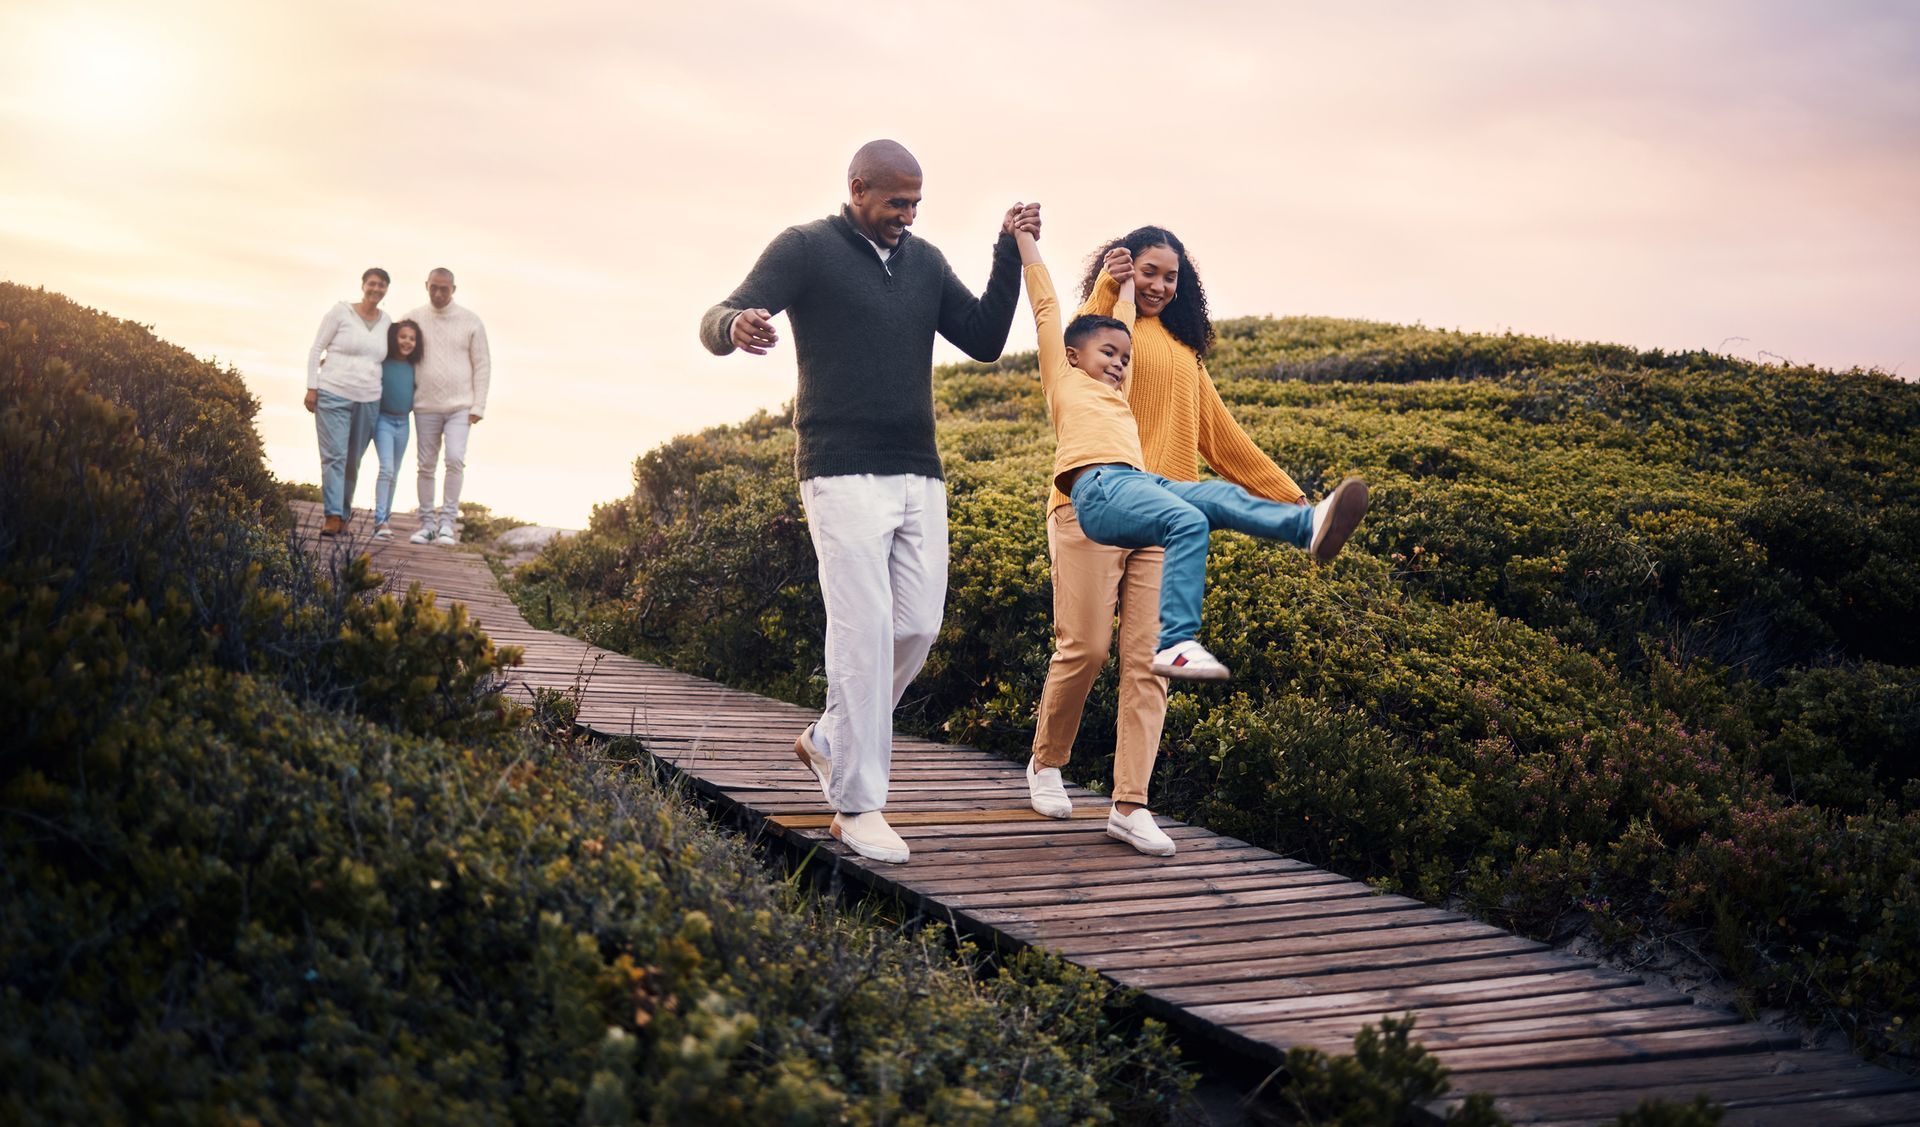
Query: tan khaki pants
(1089,582)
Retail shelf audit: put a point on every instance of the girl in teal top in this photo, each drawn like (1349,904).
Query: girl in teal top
(396,412)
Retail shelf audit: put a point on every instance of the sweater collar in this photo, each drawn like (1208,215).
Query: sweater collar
(844,222)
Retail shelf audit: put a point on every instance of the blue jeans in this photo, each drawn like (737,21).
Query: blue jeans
(345,428)
(1128,508)
(390,443)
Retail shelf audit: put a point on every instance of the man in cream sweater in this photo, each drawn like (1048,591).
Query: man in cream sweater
(450,395)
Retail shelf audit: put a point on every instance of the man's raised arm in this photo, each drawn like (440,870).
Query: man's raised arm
(979,326)
(745,319)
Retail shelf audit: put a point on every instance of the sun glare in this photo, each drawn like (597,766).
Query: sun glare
(103,71)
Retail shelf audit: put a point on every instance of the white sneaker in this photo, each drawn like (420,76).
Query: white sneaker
(424,536)
(1139,830)
(447,535)
(1047,793)
(1189,661)
(805,750)
(383,533)
(1335,518)
(869,835)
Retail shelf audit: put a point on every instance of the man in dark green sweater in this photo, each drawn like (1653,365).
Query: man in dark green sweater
(865,299)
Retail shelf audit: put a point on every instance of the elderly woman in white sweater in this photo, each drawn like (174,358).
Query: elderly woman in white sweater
(343,392)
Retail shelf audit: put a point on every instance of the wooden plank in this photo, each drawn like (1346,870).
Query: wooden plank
(1535,1030)
(1238,948)
(936,818)
(1343,994)
(1226,927)
(1493,969)
(1745,1038)
(1448,1014)
(1289,970)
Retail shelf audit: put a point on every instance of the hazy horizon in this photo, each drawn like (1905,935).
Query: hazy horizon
(1721,176)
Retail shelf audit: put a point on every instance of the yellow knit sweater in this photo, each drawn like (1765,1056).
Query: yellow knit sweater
(1180,414)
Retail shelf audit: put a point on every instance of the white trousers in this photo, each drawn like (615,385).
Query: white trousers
(882,546)
(437,428)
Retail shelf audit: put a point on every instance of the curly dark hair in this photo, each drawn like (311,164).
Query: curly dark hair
(1186,315)
(419,342)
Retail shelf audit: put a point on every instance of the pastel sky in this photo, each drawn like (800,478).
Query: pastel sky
(1733,176)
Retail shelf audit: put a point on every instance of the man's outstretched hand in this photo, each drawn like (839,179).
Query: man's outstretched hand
(753,331)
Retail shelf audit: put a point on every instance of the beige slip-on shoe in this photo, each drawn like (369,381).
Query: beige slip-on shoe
(869,835)
(822,768)
(1139,830)
(1046,793)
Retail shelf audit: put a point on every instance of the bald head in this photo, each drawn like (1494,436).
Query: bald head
(883,189)
(882,161)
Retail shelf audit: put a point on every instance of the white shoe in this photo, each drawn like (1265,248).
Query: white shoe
(1046,792)
(1335,518)
(1139,830)
(822,767)
(869,835)
(446,535)
(1189,661)
(424,536)
(383,533)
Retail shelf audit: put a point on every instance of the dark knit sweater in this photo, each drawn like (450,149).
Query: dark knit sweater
(863,332)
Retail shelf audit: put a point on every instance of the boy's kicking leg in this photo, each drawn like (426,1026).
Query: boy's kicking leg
(1320,529)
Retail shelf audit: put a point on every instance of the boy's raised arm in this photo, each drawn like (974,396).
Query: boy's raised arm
(1046,308)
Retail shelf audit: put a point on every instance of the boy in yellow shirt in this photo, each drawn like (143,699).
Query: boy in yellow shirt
(1098,463)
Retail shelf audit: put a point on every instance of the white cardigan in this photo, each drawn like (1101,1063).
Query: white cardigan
(346,354)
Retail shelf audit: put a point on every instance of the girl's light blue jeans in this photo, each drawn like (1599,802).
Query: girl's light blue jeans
(1129,508)
(390,443)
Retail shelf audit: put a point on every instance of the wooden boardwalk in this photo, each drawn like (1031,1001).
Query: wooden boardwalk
(1252,951)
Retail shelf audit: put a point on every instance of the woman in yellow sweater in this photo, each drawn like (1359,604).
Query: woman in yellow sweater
(1181,420)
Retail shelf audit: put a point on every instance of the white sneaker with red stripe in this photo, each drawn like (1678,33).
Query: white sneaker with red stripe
(1189,661)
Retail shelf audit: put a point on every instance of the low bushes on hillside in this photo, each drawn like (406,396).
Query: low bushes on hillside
(1618,626)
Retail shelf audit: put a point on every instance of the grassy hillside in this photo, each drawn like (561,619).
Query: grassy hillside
(274,849)
(1626,647)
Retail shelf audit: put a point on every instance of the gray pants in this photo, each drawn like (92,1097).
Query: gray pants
(438,428)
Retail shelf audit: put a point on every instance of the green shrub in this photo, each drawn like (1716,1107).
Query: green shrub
(1386,1081)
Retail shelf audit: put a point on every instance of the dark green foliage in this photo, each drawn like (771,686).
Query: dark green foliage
(274,849)
(300,917)
(1627,641)
(1387,1081)
(1702,1112)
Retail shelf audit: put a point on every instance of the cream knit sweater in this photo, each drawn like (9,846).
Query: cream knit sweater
(454,372)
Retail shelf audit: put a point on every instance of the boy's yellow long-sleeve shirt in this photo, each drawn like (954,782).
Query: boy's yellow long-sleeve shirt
(1178,412)
(1092,424)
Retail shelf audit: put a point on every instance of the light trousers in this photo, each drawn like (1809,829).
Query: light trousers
(344,429)
(1090,582)
(440,429)
(1131,508)
(882,546)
